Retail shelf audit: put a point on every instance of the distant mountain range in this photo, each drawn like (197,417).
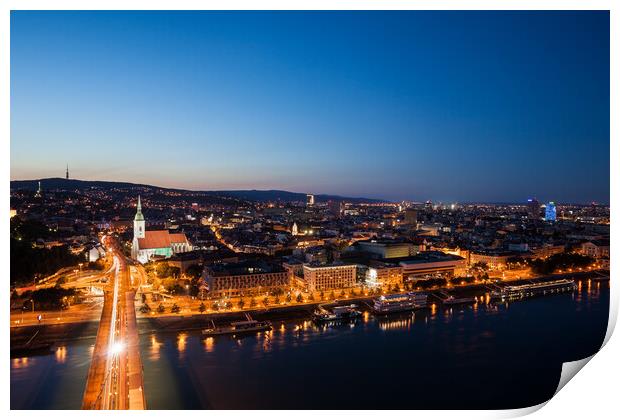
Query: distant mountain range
(249,195)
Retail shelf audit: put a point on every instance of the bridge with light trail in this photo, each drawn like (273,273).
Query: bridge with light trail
(115,380)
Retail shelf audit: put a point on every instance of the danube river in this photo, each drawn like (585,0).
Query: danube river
(473,356)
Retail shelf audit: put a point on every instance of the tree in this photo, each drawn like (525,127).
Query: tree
(332,296)
(562,261)
(194,271)
(164,270)
(311,297)
(277,300)
(161,308)
(175,309)
(143,298)
(480,265)
(202,307)
(228,304)
(266,301)
(145,308)
(299,298)
(252,302)
(289,298)
(241,303)
(51,297)
(342,294)
(215,306)
(322,295)
(161,270)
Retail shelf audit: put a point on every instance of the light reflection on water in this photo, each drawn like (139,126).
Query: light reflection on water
(61,354)
(51,380)
(292,333)
(460,341)
(185,370)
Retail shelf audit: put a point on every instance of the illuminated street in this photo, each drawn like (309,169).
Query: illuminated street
(115,376)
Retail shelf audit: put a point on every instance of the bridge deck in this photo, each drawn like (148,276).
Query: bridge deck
(115,379)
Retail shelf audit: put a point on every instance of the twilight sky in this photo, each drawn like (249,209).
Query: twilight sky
(447,106)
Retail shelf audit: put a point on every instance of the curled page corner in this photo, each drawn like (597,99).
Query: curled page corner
(570,369)
(518,412)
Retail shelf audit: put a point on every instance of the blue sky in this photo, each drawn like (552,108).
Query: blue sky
(447,106)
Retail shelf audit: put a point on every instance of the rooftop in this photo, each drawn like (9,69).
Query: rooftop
(424,257)
(244,268)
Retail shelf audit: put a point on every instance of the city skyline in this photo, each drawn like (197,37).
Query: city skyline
(542,201)
(447,106)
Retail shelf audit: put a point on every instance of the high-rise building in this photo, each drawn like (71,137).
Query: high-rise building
(310,199)
(67,173)
(411,216)
(533,209)
(550,212)
(335,207)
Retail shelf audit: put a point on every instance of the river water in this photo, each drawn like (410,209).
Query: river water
(474,356)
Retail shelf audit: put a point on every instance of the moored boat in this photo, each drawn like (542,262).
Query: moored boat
(533,289)
(337,313)
(400,302)
(451,300)
(238,328)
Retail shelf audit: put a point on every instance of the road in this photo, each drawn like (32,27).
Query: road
(115,380)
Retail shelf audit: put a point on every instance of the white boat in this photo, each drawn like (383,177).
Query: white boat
(337,313)
(533,289)
(400,302)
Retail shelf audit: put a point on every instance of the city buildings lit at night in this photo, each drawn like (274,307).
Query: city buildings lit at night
(306,210)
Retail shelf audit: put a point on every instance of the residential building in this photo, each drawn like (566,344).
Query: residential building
(238,279)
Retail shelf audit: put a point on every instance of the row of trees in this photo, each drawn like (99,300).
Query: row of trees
(562,261)
(28,262)
(48,298)
(146,308)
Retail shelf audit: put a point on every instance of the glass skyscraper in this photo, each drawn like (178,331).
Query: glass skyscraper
(550,212)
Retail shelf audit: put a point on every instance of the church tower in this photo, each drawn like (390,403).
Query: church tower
(138,222)
(138,231)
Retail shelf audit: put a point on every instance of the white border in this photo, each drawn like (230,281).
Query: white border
(593,394)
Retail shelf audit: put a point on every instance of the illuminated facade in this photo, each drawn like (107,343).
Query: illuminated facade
(380,274)
(243,279)
(328,277)
(550,212)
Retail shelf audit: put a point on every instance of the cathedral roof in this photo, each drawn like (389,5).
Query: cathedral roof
(160,239)
(177,237)
(155,239)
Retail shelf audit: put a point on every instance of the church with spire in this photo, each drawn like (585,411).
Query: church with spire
(149,243)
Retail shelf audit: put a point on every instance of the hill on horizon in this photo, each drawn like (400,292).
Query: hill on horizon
(249,195)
